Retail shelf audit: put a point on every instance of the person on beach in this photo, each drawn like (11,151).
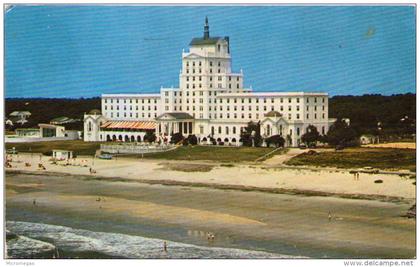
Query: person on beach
(165,248)
(357,174)
(329,216)
(34,202)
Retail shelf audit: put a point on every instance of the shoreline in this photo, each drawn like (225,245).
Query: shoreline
(168,182)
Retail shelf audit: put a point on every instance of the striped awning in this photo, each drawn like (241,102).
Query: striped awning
(137,125)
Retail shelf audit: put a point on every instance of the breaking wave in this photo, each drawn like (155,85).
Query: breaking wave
(120,245)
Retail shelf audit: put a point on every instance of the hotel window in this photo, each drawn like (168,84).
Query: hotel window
(249,100)
(118,101)
(323,100)
(307,108)
(230,78)
(227,116)
(188,64)
(166,108)
(234,108)
(230,86)
(155,101)
(265,108)
(315,99)
(297,100)
(281,100)
(105,101)
(149,101)
(211,70)
(199,70)
(323,108)
(242,100)
(148,115)
(221,115)
(297,116)
(142,101)
(188,71)
(307,100)
(298,131)
(257,108)
(211,85)
(290,116)
(272,108)
(272,100)
(234,115)
(237,86)
(249,115)
(218,70)
(237,79)
(219,85)
(242,108)
(193,78)
(257,100)
(155,108)
(227,130)
(257,116)
(307,116)
(199,85)
(166,101)
(290,100)
(211,63)
(242,116)
(218,48)
(265,100)
(249,108)
(290,108)
(315,108)
(315,115)
(323,115)
(297,108)
(323,130)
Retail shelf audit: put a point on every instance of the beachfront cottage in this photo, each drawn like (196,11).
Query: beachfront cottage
(210,103)
(62,154)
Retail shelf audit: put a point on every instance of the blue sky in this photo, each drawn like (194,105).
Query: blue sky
(83,51)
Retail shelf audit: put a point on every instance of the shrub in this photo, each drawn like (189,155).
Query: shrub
(176,138)
(192,140)
(277,140)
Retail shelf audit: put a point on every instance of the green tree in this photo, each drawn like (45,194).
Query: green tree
(251,135)
(311,136)
(340,133)
(277,140)
(149,137)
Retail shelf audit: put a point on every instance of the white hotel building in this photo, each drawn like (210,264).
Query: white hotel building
(210,102)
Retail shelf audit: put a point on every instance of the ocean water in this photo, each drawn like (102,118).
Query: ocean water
(112,245)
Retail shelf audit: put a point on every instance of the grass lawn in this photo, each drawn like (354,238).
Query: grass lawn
(77,146)
(382,158)
(214,153)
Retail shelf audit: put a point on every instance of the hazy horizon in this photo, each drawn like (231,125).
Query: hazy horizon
(85,51)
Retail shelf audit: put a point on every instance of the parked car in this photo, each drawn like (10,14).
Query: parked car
(105,156)
(302,146)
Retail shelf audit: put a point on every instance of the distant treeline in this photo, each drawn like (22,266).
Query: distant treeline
(364,111)
(45,109)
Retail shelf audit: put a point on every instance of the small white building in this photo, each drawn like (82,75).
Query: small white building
(62,154)
(49,130)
